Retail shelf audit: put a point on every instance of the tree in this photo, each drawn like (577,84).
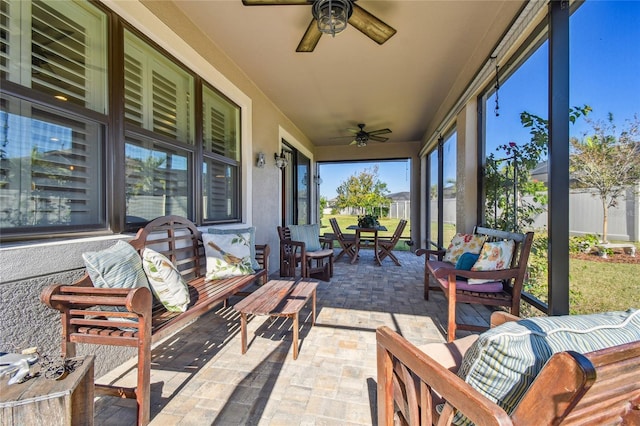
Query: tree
(508,176)
(607,162)
(364,191)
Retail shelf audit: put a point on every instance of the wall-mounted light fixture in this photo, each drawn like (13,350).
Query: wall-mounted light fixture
(260,160)
(281,160)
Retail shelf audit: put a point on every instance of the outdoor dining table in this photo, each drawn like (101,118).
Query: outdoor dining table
(365,242)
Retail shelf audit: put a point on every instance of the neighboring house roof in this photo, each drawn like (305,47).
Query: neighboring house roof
(400,196)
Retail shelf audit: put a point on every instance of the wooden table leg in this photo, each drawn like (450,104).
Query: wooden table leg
(295,336)
(243,331)
(375,248)
(356,248)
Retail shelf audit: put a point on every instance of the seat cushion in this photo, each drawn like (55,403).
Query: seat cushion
(462,284)
(320,254)
(505,360)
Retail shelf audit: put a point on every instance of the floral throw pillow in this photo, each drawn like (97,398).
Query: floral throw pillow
(228,255)
(493,257)
(463,243)
(166,281)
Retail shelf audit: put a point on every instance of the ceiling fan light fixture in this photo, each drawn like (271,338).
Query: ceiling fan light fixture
(332,15)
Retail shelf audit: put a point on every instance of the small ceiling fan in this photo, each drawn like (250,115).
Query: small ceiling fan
(331,17)
(362,137)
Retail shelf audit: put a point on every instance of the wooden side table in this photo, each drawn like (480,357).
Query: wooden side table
(41,401)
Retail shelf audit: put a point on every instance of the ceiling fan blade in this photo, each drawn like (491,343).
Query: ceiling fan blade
(274,2)
(378,138)
(380,132)
(310,38)
(370,26)
(353,142)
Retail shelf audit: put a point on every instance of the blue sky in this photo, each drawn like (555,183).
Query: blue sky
(605,74)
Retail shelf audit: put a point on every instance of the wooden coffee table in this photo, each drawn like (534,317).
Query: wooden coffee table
(280,298)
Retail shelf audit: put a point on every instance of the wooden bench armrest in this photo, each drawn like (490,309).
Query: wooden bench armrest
(503,274)
(63,297)
(429,252)
(433,378)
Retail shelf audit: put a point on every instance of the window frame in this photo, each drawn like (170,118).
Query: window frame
(115,128)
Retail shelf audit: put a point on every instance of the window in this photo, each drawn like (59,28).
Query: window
(51,155)
(432,206)
(158,98)
(157,180)
(57,48)
(221,151)
(63,162)
(449,188)
(158,93)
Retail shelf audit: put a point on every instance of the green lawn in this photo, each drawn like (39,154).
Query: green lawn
(603,286)
(346,220)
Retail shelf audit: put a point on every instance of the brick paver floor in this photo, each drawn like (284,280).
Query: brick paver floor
(199,376)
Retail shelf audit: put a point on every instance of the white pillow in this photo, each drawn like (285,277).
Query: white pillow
(165,280)
(228,255)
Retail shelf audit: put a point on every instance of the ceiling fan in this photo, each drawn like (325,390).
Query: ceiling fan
(362,137)
(331,17)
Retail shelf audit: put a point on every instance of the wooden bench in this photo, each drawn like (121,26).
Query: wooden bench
(595,388)
(179,240)
(452,282)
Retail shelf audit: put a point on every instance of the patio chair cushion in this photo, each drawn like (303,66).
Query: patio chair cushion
(494,256)
(308,234)
(252,238)
(228,254)
(505,360)
(463,243)
(165,280)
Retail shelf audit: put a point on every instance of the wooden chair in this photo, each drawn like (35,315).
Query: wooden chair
(347,241)
(386,245)
(312,263)
(447,279)
(596,388)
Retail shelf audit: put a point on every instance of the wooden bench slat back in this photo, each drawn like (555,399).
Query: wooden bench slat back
(179,240)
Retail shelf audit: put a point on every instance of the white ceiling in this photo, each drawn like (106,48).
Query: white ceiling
(403,84)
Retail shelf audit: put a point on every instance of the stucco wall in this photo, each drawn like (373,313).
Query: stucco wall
(25,270)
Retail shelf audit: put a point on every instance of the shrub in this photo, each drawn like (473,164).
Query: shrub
(583,243)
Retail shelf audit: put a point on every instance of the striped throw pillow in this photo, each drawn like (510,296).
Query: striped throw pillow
(505,360)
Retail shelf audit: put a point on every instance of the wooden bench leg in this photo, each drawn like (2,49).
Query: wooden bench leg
(143,389)
(295,336)
(243,332)
(313,307)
